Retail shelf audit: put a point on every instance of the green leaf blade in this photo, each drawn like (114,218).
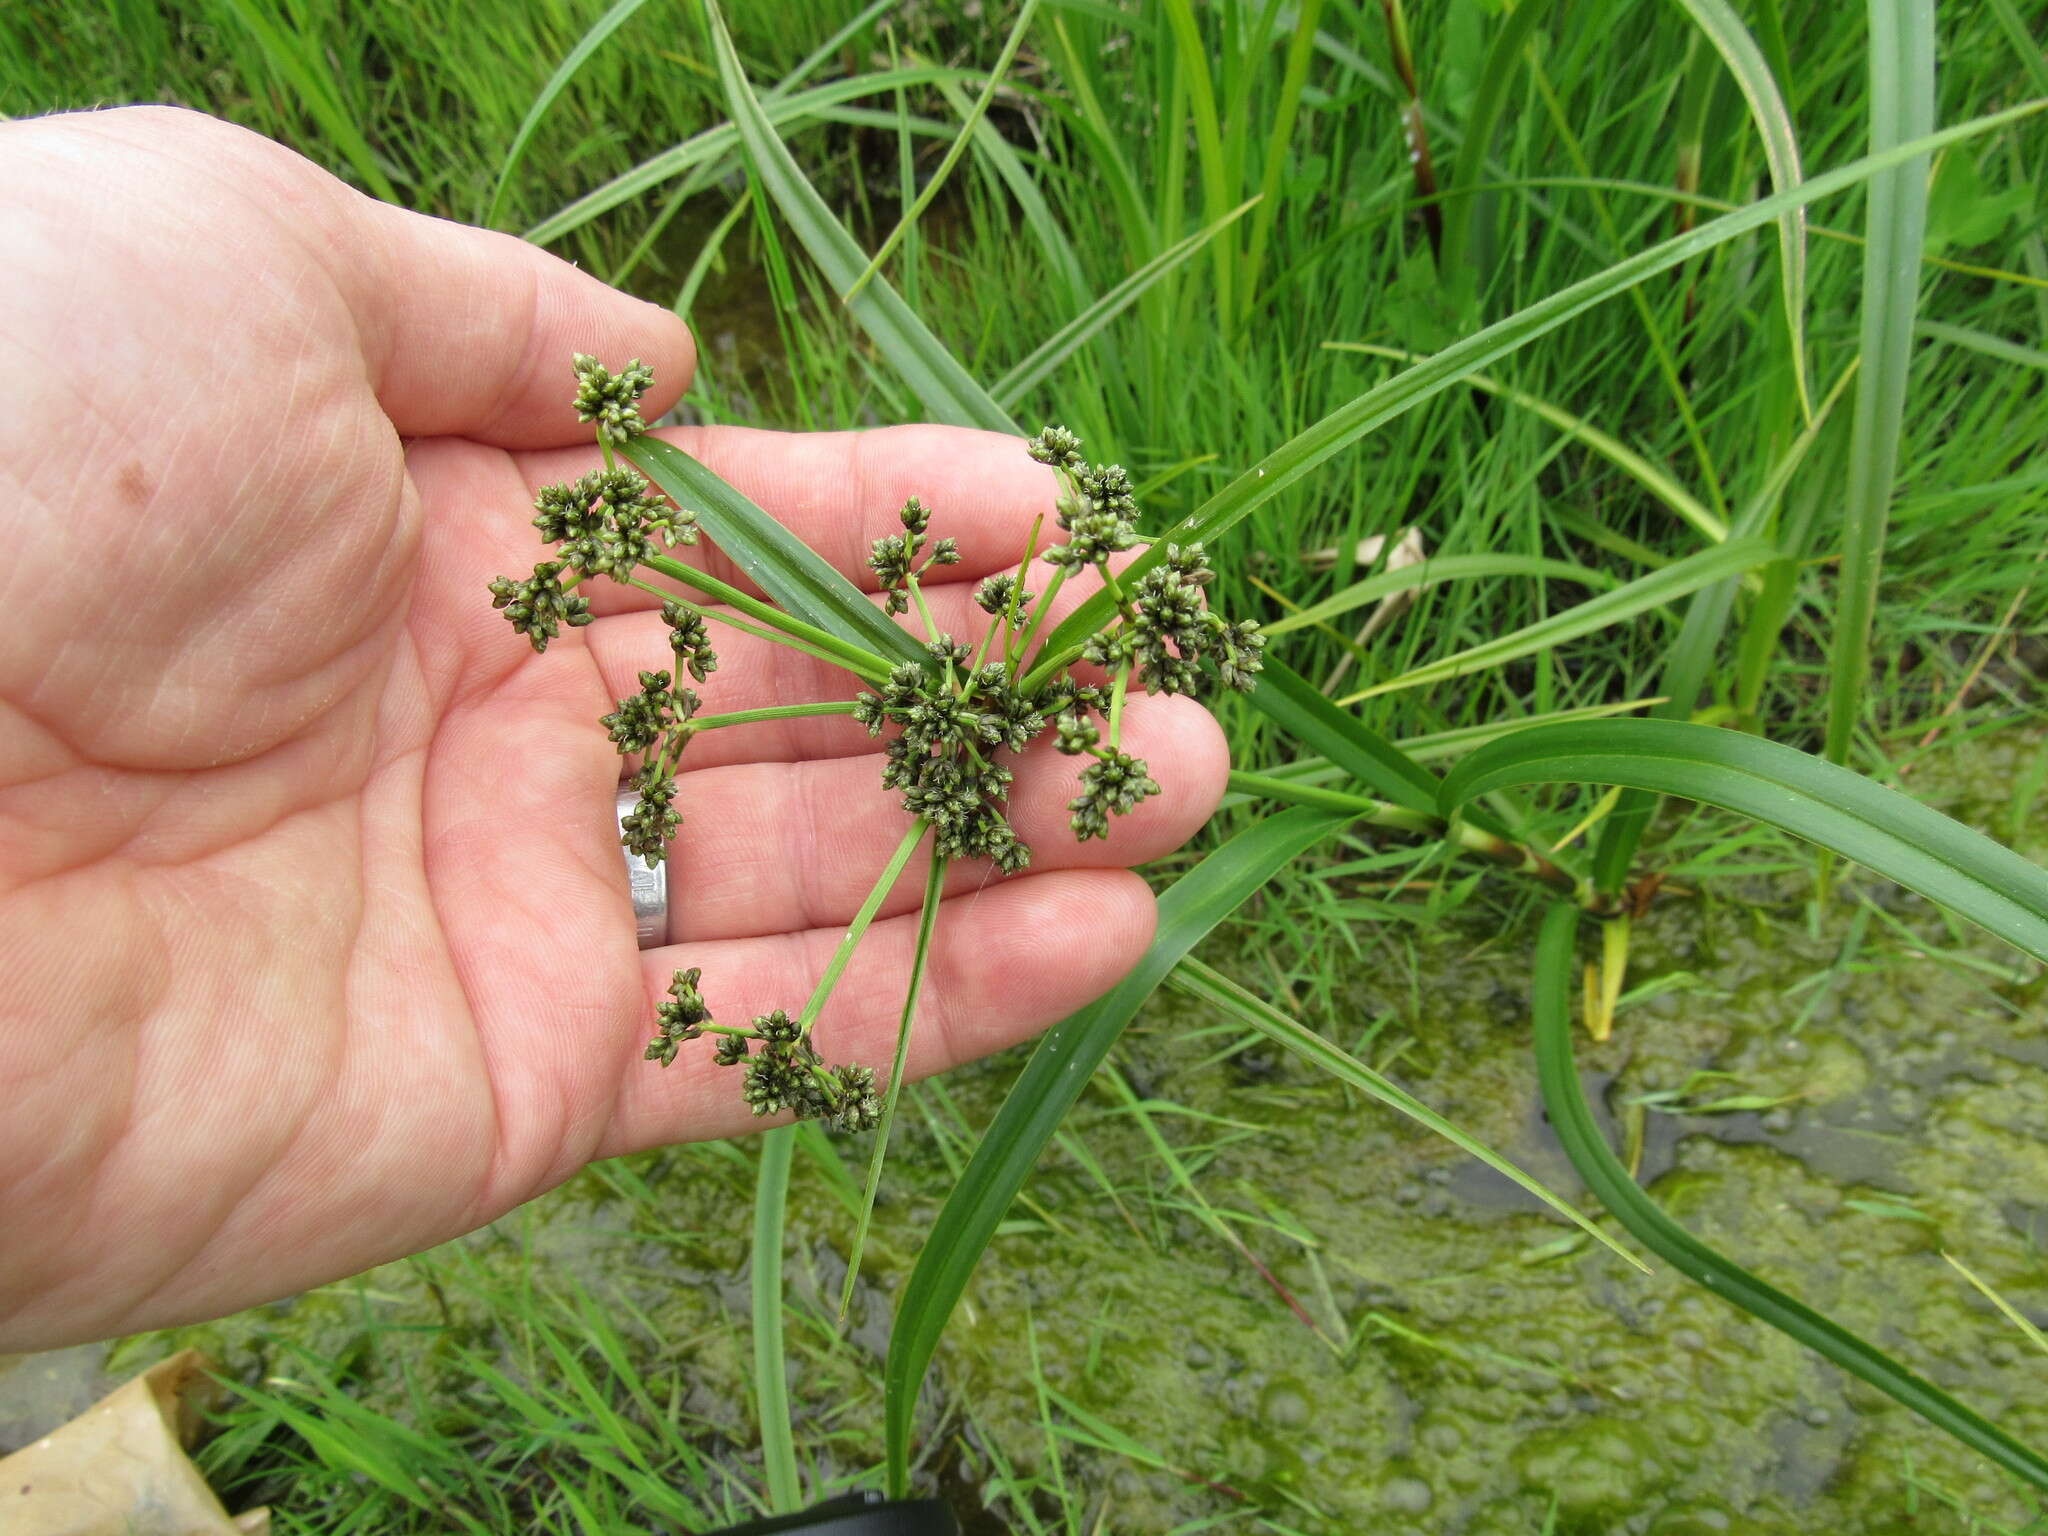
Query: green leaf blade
(1294,704)
(1051,1081)
(1679,579)
(946,389)
(1604,1174)
(776,560)
(771,1370)
(1901,108)
(1879,828)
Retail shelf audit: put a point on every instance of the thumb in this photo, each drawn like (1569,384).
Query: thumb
(467,332)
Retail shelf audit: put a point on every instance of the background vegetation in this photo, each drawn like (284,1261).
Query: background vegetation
(1235,1297)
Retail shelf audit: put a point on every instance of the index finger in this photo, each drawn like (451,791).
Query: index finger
(840,491)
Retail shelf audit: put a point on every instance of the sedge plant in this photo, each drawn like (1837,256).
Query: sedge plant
(953,714)
(1362,776)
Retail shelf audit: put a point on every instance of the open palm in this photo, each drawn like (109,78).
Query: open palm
(313,919)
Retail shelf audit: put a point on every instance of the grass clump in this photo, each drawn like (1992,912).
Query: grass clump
(1200,238)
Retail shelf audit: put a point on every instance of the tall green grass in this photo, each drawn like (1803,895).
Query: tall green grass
(1192,232)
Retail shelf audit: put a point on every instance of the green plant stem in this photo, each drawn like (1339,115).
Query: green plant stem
(774,712)
(771,1379)
(928,922)
(1490,846)
(1006,621)
(1052,588)
(988,638)
(1047,668)
(757,631)
(861,919)
(924,612)
(816,640)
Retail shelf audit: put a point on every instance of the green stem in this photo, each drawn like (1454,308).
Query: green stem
(931,629)
(867,663)
(859,926)
(1379,813)
(1047,667)
(1008,617)
(1116,593)
(934,893)
(988,636)
(774,712)
(1016,592)
(773,637)
(1052,589)
(1116,707)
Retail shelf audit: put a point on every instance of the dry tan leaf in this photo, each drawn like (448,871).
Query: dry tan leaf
(120,1468)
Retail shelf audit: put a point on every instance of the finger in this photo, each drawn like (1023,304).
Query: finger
(462,331)
(1005,962)
(779,847)
(468,332)
(754,674)
(840,491)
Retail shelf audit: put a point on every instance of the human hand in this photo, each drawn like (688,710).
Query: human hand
(312,909)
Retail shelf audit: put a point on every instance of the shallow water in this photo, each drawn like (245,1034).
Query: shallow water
(1461,1361)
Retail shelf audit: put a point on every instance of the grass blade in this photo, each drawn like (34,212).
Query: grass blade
(1608,1179)
(1007,166)
(1691,657)
(1680,579)
(1192,55)
(952,156)
(1279,142)
(1879,828)
(775,559)
(1434,573)
(703,151)
(771,1379)
(1294,704)
(2024,44)
(1077,332)
(1050,1082)
(1658,481)
(1983,344)
(1901,108)
(1293,460)
(933,374)
(2011,1313)
(1773,119)
(588,44)
(928,922)
(1489,100)
(296,58)
(1197,980)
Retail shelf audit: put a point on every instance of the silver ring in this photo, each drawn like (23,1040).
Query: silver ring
(647,882)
